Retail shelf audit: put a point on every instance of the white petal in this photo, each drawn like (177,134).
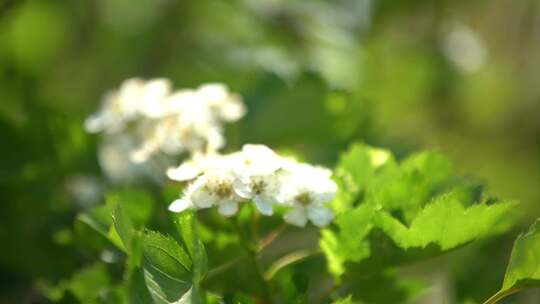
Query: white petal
(323,197)
(214,138)
(296,217)
(180,205)
(263,204)
(242,189)
(228,208)
(186,171)
(233,109)
(143,153)
(199,195)
(320,216)
(94,123)
(259,160)
(202,199)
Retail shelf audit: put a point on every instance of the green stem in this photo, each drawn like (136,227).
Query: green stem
(502,294)
(290,259)
(271,237)
(262,245)
(252,255)
(224,267)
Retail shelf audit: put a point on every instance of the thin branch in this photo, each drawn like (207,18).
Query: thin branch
(225,266)
(502,294)
(289,259)
(271,237)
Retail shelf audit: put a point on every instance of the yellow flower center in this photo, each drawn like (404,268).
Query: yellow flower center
(258,186)
(223,189)
(303,199)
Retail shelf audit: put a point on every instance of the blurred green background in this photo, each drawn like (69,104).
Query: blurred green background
(461,77)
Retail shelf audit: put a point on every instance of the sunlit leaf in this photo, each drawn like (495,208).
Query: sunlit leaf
(167,268)
(524,265)
(417,203)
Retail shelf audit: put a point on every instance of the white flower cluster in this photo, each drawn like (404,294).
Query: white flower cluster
(148,120)
(256,174)
(163,120)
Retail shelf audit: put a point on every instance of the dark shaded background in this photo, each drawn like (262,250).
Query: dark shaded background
(458,76)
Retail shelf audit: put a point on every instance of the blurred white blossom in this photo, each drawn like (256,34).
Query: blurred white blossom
(465,48)
(157,121)
(120,107)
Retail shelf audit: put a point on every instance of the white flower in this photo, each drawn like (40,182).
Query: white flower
(134,98)
(261,189)
(195,166)
(226,105)
(153,99)
(185,201)
(256,167)
(211,189)
(113,156)
(307,188)
(256,160)
(257,174)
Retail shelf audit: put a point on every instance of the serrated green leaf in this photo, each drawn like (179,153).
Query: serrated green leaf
(418,203)
(350,243)
(187,228)
(167,268)
(412,184)
(355,172)
(447,223)
(524,265)
(523,269)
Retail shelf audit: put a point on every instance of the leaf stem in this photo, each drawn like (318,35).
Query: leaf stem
(289,259)
(223,267)
(252,255)
(502,294)
(271,237)
(268,239)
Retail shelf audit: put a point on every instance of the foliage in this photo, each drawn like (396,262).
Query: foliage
(315,76)
(523,268)
(416,203)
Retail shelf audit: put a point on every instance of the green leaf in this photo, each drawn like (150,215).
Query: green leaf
(350,243)
(100,220)
(447,223)
(355,172)
(167,268)
(123,226)
(187,228)
(418,204)
(137,292)
(524,265)
(138,205)
(136,209)
(87,284)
